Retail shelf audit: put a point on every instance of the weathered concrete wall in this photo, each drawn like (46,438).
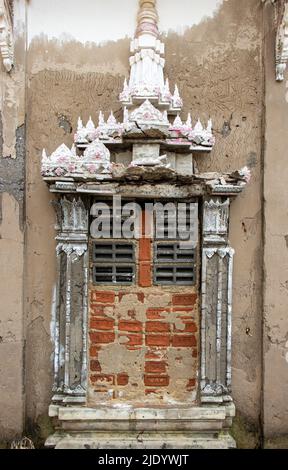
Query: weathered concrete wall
(275,345)
(218,66)
(12,152)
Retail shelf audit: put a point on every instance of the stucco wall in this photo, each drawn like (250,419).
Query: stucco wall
(218,66)
(275,344)
(12,153)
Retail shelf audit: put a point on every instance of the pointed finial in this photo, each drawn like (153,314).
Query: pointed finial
(101,120)
(111,119)
(209,126)
(79,124)
(125,85)
(189,120)
(165,115)
(147,19)
(90,124)
(176,92)
(73,150)
(44,155)
(177,122)
(125,115)
(198,127)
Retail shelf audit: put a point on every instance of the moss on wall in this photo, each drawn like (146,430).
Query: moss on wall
(38,432)
(246,434)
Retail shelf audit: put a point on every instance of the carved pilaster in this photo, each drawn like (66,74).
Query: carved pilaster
(70,325)
(6,34)
(216,221)
(281,43)
(281,39)
(217,267)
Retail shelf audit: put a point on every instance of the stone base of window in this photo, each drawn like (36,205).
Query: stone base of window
(205,427)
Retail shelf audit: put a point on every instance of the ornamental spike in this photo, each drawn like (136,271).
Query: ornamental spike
(101,121)
(90,124)
(167,85)
(198,127)
(165,115)
(73,150)
(44,155)
(177,121)
(125,115)
(79,124)
(176,92)
(189,120)
(111,119)
(209,126)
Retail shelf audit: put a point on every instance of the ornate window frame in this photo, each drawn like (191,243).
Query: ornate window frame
(6,34)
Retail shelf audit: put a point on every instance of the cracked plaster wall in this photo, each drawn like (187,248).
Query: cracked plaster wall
(218,67)
(12,153)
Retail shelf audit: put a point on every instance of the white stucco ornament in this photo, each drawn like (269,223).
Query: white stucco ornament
(64,162)
(176,99)
(105,130)
(60,162)
(245,172)
(151,161)
(6,35)
(147,63)
(200,135)
(148,114)
(96,158)
(282,46)
(148,104)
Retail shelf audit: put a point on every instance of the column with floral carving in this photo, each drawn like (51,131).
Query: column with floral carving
(70,312)
(217,266)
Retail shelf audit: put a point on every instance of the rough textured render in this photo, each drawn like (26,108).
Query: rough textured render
(205,52)
(275,323)
(12,157)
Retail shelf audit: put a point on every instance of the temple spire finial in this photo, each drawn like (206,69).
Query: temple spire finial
(147,19)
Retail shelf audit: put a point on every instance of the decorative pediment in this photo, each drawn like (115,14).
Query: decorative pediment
(6,34)
(66,163)
(147,113)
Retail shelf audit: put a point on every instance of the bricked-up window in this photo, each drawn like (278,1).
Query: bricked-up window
(173,264)
(175,261)
(113,263)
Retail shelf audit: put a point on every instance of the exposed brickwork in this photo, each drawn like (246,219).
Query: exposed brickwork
(184,299)
(145,274)
(144,249)
(153,322)
(143,339)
